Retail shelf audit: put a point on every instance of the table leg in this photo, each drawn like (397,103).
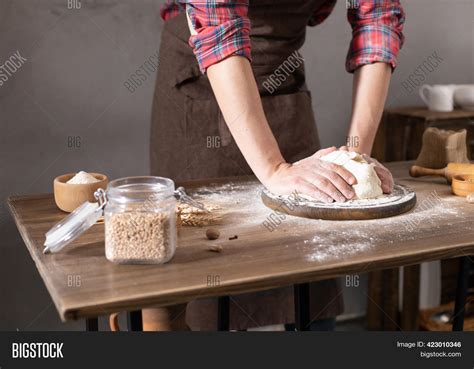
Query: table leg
(374,301)
(92,325)
(461,293)
(390,299)
(302,319)
(411,298)
(134,321)
(223,303)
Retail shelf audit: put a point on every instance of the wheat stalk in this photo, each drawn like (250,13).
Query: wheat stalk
(194,217)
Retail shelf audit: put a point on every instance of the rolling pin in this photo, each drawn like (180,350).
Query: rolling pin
(451,170)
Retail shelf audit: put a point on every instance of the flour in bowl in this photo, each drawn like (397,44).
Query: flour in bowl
(82,178)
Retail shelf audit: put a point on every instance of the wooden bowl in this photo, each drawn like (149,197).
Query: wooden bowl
(69,196)
(463,184)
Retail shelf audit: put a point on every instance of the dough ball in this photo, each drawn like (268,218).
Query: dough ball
(368,183)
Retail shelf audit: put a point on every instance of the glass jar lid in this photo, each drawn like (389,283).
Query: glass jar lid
(72,226)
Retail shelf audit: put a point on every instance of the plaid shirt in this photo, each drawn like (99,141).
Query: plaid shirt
(221,28)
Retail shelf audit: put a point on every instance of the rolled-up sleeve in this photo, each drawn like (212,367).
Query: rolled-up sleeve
(377,32)
(219,29)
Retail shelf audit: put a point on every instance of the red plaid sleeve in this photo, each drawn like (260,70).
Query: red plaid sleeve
(377,36)
(221,29)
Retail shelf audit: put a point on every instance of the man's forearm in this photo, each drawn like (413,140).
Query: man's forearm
(369,93)
(237,94)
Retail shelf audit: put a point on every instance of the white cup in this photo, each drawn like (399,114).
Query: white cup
(464,97)
(438,97)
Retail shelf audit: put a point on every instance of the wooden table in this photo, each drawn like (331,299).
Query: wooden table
(296,251)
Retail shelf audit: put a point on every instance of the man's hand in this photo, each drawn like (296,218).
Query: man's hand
(384,174)
(314,177)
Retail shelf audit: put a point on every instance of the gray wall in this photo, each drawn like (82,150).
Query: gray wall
(72,85)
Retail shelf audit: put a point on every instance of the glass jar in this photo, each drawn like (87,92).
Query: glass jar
(140,220)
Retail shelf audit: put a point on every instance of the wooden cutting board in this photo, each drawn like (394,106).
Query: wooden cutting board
(401,200)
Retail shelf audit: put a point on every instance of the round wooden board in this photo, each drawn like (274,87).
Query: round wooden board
(400,201)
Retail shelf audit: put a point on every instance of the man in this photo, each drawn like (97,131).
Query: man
(218,87)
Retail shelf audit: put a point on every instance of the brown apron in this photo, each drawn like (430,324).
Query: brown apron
(186,120)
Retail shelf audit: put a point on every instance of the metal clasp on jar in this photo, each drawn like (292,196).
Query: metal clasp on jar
(101,197)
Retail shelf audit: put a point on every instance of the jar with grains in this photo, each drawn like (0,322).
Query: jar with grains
(140,220)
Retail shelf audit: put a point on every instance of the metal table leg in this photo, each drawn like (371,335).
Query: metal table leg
(223,313)
(134,321)
(92,325)
(461,293)
(302,319)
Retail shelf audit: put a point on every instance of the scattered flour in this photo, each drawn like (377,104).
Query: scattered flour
(338,251)
(329,241)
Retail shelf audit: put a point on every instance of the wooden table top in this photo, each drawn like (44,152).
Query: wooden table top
(82,283)
(423,112)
